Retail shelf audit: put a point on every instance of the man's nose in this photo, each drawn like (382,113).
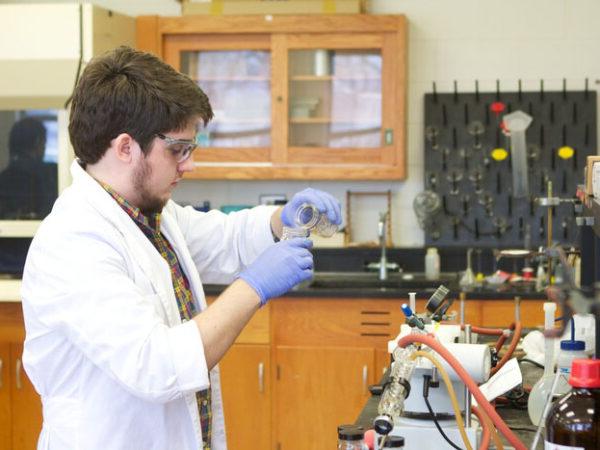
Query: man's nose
(187,165)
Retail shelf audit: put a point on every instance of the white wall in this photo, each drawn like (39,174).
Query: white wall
(130,7)
(461,40)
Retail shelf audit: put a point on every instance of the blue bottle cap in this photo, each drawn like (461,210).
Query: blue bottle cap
(572,345)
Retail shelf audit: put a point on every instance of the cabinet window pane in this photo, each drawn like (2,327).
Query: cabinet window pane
(238,86)
(335,98)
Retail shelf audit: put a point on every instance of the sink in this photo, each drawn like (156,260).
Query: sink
(360,280)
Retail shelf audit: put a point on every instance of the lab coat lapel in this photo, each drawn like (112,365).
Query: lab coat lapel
(173,233)
(142,251)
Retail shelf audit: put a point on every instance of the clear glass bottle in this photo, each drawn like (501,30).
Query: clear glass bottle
(308,220)
(573,422)
(351,437)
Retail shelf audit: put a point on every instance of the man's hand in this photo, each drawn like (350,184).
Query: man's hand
(279,268)
(323,201)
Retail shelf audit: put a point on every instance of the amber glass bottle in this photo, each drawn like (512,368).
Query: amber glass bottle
(574,420)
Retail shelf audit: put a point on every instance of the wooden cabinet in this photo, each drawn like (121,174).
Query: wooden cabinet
(245,379)
(246,385)
(317,389)
(5,397)
(20,405)
(327,352)
(295,97)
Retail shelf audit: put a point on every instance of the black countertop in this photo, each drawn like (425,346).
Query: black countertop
(506,292)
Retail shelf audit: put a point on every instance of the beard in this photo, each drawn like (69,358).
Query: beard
(147,202)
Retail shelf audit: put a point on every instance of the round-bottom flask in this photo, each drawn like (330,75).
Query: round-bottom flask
(540,392)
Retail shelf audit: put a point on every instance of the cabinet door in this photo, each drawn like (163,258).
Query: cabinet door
(26,405)
(5,401)
(341,104)
(235,73)
(317,389)
(245,378)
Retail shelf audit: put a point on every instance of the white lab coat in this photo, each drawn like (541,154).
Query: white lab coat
(105,347)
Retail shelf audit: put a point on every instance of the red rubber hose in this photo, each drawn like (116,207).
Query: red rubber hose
(486,331)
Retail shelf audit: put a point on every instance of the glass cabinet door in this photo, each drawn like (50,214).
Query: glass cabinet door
(238,84)
(335,98)
(235,73)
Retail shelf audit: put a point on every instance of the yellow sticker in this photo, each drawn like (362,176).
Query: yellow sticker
(499,154)
(566,152)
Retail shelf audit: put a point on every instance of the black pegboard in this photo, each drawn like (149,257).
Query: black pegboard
(484,212)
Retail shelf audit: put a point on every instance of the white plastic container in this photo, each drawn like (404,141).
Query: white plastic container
(569,350)
(432,264)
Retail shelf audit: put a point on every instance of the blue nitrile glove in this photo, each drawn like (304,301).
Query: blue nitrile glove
(279,268)
(324,202)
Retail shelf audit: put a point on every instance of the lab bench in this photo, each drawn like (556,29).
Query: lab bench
(303,363)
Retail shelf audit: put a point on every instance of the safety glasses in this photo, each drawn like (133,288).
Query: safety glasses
(181,149)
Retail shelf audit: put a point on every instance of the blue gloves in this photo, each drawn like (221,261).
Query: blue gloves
(279,268)
(323,201)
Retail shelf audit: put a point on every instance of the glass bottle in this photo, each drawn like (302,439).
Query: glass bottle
(351,437)
(573,421)
(308,219)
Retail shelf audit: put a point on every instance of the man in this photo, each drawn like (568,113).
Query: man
(28,186)
(120,344)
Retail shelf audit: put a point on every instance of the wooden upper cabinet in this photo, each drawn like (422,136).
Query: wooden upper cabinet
(295,97)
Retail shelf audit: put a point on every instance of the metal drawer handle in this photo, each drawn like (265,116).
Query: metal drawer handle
(18,373)
(261,377)
(365,376)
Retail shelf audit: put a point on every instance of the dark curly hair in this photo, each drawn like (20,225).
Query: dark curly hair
(128,91)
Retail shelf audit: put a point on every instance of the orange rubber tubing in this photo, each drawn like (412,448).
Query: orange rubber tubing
(487,434)
(511,348)
(469,383)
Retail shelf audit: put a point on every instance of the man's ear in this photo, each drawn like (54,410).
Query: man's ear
(123,147)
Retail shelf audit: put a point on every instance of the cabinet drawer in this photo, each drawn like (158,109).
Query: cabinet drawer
(501,313)
(257,331)
(337,322)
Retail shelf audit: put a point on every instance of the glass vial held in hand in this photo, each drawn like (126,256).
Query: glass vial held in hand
(308,220)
